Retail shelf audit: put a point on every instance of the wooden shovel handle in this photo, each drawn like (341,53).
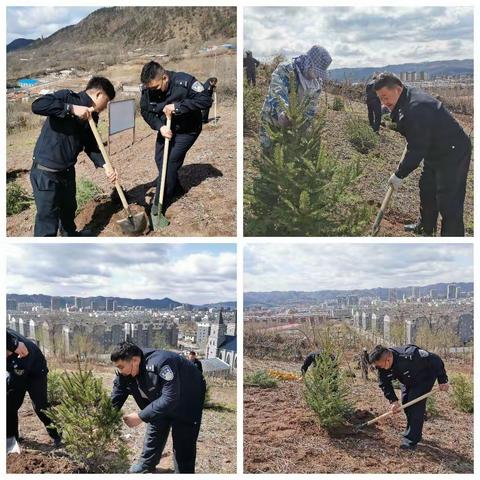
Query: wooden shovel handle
(402,407)
(108,163)
(164,163)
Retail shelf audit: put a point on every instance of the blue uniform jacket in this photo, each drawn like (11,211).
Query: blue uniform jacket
(412,367)
(432,133)
(63,135)
(189,97)
(168,386)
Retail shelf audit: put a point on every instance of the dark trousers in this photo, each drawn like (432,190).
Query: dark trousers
(184,436)
(442,190)
(205,114)
(177,150)
(55,200)
(374,114)
(37,390)
(416,413)
(251,78)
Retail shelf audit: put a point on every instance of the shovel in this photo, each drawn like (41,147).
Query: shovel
(159,220)
(381,213)
(133,224)
(402,407)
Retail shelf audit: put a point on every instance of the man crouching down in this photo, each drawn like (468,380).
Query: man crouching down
(170,392)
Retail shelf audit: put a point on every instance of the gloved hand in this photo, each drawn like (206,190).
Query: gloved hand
(283,120)
(395,182)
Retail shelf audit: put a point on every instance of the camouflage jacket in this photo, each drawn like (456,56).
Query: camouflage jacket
(278,93)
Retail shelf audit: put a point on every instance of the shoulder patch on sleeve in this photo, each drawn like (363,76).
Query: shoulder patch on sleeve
(423,353)
(166,373)
(197,87)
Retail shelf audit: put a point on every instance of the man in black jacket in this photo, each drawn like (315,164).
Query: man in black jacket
(210,86)
(65,133)
(182,96)
(192,356)
(374,105)
(434,136)
(26,372)
(417,370)
(170,392)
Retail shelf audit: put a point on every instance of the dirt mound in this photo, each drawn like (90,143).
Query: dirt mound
(32,462)
(282,435)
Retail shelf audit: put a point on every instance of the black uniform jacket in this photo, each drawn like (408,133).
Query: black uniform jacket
(189,97)
(33,365)
(412,367)
(431,132)
(168,386)
(64,135)
(370,93)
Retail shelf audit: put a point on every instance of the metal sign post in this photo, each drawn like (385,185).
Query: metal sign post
(121,117)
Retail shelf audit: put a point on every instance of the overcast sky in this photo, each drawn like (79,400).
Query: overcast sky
(306,267)
(33,22)
(188,273)
(364,36)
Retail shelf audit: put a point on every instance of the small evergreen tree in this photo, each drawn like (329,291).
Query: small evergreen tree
(326,391)
(89,424)
(462,388)
(300,190)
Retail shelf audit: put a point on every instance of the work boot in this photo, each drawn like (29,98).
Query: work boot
(418,229)
(57,442)
(140,468)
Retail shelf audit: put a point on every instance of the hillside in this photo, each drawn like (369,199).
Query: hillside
(112,35)
(216,447)
(443,67)
(345,128)
(19,43)
(290,297)
(281,434)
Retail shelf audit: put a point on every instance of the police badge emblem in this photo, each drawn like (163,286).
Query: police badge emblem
(166,373)
(197,87)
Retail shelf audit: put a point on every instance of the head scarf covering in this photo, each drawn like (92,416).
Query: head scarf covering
(318,59)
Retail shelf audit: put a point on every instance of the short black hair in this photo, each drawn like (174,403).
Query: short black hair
(125,351)
(150,71)
(192,352)
(102,83)
(386,79)
(377,353)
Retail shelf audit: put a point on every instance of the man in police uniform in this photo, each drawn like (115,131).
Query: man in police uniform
(65,133)
(417,370)
(26,372)
(374,105)
(170,391)
(250,64)
(182,96)
(364,363)
(434,136)
(210,86)
(311,358)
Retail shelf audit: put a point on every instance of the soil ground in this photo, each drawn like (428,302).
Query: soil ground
(216,447)
(282,435)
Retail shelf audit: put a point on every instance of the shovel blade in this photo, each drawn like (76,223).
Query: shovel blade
(159,220)
(133,224)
